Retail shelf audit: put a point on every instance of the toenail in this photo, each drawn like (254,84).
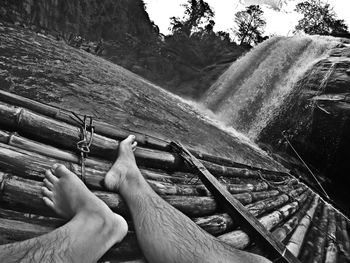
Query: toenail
(54,167)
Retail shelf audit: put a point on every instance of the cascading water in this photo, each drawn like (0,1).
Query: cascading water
(251,92)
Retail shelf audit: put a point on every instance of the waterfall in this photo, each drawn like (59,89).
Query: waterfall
(251,92)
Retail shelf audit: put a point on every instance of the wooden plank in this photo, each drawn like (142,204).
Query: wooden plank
(276,251)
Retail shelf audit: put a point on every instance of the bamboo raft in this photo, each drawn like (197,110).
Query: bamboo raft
(34,136)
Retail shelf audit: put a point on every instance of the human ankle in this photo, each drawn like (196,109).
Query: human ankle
(106,223)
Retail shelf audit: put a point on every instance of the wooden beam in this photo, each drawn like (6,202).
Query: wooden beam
(276,251)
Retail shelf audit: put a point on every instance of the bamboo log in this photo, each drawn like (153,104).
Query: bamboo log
(32,165)
(320,242)
(342,239)
(27,193)
(26,164)
(222,223)
(273,202)
(297,239)
(281,232)
(64,115)
(115,132)
(311,245)
(16,190)
(331,249)
(99,164)
(215,224)
(66,136)
(240,240)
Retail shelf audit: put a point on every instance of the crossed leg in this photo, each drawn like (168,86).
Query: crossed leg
(93,228)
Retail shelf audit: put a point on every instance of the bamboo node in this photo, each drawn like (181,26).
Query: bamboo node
(4,180)
(19,118)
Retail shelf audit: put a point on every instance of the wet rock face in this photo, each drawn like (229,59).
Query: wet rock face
(317,119)
(93,19)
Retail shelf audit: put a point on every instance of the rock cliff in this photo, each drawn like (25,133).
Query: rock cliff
(317,120)
(92,19)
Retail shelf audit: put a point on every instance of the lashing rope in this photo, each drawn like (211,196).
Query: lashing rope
(83,146)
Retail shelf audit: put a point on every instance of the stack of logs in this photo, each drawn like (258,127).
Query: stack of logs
(34,136)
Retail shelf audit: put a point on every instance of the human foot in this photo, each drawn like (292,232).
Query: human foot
(124,168)
(67,195)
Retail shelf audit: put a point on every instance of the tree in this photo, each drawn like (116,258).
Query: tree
(319,19)
(198,15)
(251,24)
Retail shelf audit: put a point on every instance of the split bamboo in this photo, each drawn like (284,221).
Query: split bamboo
(297,239)
(66,136)
(240,240)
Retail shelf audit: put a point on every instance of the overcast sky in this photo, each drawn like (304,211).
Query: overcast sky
(279,14)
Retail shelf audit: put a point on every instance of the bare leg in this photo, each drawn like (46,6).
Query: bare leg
(93,228)
(164,233)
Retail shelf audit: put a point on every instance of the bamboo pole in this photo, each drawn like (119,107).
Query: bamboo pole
(271,203)
(320,242)
(342,239)
(240,240)
(331,245)
(221,223)
(66,136)
(297,239)
(283,231)
(64,115)
(311,246)
(116,132)
(17,141)
(27,193)
(29,165)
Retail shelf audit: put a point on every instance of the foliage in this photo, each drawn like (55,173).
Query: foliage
(198,15)
(319,18)
(250,25)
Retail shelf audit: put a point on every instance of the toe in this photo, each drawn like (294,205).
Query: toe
(59,170)
(133,146)
(46,192)
(48,184)
(48,202)
(50,177)
(130,139)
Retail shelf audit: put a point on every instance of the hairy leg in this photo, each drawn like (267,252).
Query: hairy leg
(93,228)
(164,233)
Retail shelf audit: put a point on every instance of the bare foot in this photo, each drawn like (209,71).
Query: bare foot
(67,195)
(125,168)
